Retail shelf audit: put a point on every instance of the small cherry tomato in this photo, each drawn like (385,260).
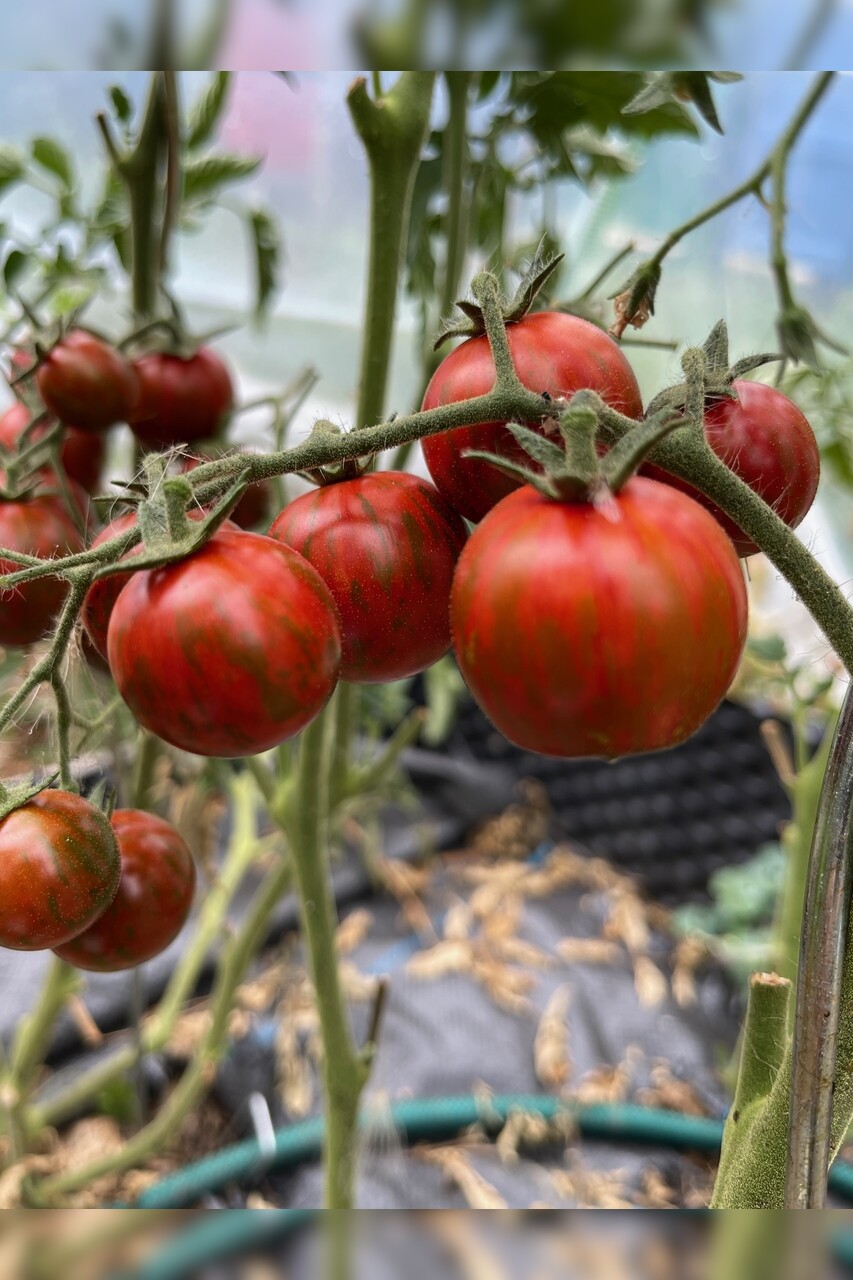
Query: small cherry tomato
(88,383)
(181,401)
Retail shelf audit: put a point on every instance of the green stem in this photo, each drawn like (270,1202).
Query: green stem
(32,1037)
(393,131)
(344,704)
(141,173)
(63,730)
(147,754)
(455,185)
(344,1069)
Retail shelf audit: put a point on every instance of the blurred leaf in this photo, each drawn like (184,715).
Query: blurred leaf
(203,178)
(682,87)
(768,648)
(121,103)
(71,298)
(206,112)
(266,239)
(52,156)
(14,267)
(11,165)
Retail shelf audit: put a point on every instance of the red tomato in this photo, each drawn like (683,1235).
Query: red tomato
(36,526)
(102,595)
(599,631)
(86,382)
(253,508)
(227,652)
(82,452)
(766,441)
(59,869)
(386,546)
(553,352)
(154,897)
(181,401)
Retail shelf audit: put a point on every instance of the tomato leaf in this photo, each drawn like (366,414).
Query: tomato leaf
(206,112)
(203,178)
(121,103)
(14,266)
(266,240)
(52,156)
(11,166)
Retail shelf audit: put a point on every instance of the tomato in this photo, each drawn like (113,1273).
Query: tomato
(154,897)
(102,595)
(766,440)
(82,452)
(253,508)
(59,869)
(554,353)
(181,401)
(88,383)
(229,651)
(587,630)
(386,546)
(39,526)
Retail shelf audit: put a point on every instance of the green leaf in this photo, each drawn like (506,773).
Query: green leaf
(121,103)
(15,265)
(11,166)
(769,648)
(203,178)
(266,240)
(52,156)
(206,112)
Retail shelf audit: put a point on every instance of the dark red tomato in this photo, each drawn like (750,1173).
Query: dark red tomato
(82,452)
(766,441)
(93,659)
(227,652)
(553,352)
(181,401)
(102,595)
(599,631)
(253,509)
(59,869)
(386,546)
(88,383)
(154,897)
(37,526)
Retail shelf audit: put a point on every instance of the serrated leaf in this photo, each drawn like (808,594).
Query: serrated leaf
(121,103)
(656,93)
(52,156)
(266,240)
(206,112)
(203,178)
(11,166)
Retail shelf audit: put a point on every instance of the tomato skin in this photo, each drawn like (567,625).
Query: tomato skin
(100,598)
(586,631)
(253,509)
(229,651)
(88,383)
(82,452)
(181,401)
(553,352)
(768,442)
(386,545)
(153,900)
(39,526)
(59,869)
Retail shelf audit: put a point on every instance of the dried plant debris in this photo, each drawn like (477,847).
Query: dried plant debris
(551,1054)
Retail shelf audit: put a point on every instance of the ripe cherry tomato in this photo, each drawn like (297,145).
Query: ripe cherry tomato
(253,509)
(59,869)
(88,383)
(38,526)
(386,546)
(102,595)
(181,401)
(588,630)
(553,352)
(227,652)
(765,439)
(82,452)
(154,897)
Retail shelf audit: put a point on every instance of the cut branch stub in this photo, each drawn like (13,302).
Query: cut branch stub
(516,308)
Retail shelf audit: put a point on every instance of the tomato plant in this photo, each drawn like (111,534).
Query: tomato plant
(587,630)
(59,869)
(42,526)
(386,545)
(82,453)
(554,353)
(229,651)
(153,899)
(767,441)
(87,383)
(253,508)
(181,401)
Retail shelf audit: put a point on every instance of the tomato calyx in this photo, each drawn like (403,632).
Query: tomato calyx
(710,378)
(516,308)
(574,472)
(12,798)
(346,469)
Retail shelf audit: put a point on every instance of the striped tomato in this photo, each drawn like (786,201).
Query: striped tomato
(39,526)
(386,545)
(82,452)
(587,630)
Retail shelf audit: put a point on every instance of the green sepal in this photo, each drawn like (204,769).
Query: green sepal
(539,447)
(537,275)
(515,470)
(629,453)
(12,798)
